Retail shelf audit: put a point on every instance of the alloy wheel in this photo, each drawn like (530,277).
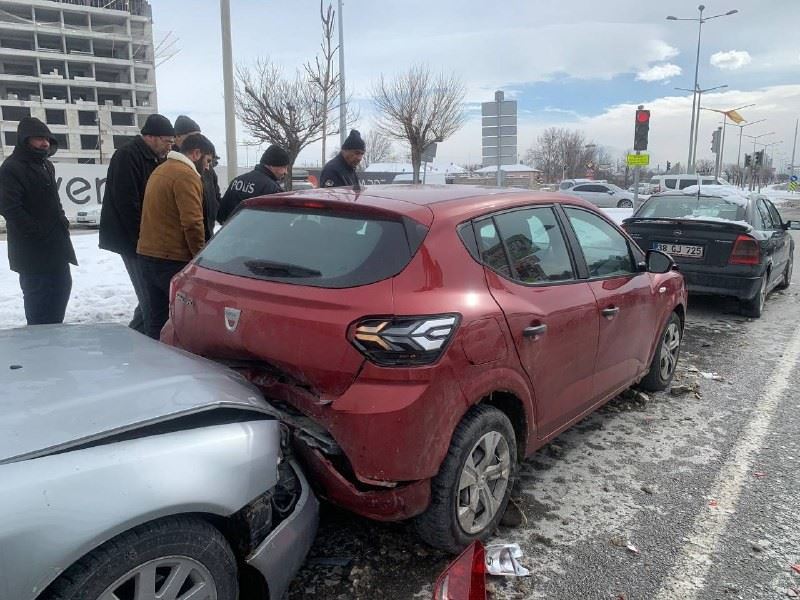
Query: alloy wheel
(165,578)
(670,347)
(484,479)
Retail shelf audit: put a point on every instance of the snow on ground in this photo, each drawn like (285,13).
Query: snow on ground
(778,195)
(101,290)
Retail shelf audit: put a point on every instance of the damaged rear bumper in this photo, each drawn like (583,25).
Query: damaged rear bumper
(404,501)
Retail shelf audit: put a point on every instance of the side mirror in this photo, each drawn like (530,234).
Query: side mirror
(659,262)
(793,225)
(611,192)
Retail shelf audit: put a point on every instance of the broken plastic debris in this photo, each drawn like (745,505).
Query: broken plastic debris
(796,568)
(713,503)
(711,375)
(759,474)
(502,559)
(632,548)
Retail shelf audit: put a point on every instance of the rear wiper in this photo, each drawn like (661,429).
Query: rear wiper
(278,269)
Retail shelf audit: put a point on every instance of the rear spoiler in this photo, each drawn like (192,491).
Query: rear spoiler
(708,223)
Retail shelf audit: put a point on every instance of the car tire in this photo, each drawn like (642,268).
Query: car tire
(443,525)
(754,307)
(665,359)
(187,548)
(787,275)
(625,203)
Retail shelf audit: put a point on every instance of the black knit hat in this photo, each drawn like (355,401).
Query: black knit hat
(275,156)
(354,141)
(184,125)
(158,125)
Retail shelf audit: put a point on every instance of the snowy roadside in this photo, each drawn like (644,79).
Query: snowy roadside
(101,290)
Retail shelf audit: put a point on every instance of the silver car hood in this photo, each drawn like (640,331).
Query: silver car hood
(65,385)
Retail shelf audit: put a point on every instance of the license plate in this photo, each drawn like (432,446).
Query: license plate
(685,250)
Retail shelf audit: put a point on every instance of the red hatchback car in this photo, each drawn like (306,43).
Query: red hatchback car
(420,341)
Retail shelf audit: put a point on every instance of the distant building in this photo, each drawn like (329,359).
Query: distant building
(84,67)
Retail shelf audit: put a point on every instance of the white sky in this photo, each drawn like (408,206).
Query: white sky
(580,64)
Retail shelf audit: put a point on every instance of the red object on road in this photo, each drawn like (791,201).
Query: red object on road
(796,568)
(409,333)
(465,578)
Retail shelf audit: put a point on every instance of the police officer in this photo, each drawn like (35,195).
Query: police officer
(341,170)
(262,180)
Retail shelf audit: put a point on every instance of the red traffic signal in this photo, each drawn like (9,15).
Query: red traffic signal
(642,129)
(642,116)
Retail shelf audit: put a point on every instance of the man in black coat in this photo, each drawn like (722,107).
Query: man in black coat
(39,248)
(184,127)
(121,214)
(341,170)
(262,180)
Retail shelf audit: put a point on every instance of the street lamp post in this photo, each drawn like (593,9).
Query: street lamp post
(695,99)
(725,114)
(696,123)
(342,96)
(227,79)
(755,139)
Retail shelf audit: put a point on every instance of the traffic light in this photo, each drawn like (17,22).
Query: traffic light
(642,129)
(715,140)
(746,160)
(669,166)
(759,158)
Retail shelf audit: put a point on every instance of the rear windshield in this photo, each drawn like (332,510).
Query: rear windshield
(692,207)
(314,248)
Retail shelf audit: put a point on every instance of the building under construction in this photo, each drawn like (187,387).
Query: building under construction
(84,67)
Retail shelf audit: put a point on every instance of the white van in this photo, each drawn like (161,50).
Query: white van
(680,181)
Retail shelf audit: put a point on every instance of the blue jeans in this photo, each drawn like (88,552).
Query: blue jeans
(46,295)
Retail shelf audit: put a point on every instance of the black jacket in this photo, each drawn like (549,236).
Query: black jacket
(337,173)
(258,182)
(120,216)
(210,201)
(38,230)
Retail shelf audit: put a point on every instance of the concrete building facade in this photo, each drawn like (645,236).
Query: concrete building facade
(84,67)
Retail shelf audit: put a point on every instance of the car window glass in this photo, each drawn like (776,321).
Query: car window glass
(687,183)
(604,248)
(565,185)
(491,248)
(536,245)
(776,217)
(670,183)
(763,211)
(599,188)
(583,188)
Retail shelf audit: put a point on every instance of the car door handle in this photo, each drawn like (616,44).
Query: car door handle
(534,331)
(611,312)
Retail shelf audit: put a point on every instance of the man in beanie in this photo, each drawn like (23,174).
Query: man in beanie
(341,170)
(185,126)
(121,214)
(262,180)
(39,248)
(172,230)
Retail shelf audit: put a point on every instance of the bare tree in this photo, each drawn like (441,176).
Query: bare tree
(322,73)
(419,108)
(379,148)
(705,166)
(279,110)
(562,153)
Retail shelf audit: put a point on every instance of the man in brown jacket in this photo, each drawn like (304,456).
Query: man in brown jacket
(172,230)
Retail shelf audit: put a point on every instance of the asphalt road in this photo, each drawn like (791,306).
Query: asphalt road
(674,497)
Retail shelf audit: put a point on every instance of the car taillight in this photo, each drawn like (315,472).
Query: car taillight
(465,578)
(745,251)
(404,341)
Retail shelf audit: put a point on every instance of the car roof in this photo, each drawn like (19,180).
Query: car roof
(420,202)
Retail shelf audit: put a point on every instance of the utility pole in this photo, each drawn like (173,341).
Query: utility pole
(695,99)
(99,138)
(342,97)
(794,147)
(227,77)
(498,98)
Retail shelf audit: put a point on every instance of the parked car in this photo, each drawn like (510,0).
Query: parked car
(89,215)
(680,181)
(567,184)
(726,242)
(129,469)
(603,195)
(421,341)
